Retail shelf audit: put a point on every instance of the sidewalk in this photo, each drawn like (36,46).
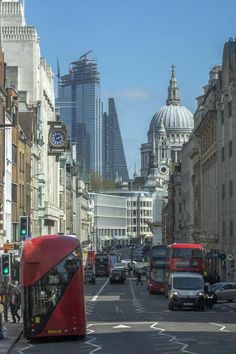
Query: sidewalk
(14,330)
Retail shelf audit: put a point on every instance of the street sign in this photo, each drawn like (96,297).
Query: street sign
(222,256)
(230,257)
(9,246)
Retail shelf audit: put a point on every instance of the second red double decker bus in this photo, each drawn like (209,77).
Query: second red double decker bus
(102,264)
(52,287)
(186,257)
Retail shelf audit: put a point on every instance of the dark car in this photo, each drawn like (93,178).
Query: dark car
(117,276)
(89,277)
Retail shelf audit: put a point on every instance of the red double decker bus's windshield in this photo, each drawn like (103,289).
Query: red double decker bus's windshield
(157,270)
(102,264)
(52,287)
(186,257)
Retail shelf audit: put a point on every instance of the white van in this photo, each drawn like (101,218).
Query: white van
(186,290)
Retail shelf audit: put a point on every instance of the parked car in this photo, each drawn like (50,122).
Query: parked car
(224,291)
(117,275)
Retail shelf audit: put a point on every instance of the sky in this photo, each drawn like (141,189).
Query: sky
(135,42)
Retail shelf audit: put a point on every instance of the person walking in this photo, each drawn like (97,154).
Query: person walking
(14,303)
(139,278)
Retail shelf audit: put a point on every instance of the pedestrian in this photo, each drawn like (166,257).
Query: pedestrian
(14,303)
(139,278)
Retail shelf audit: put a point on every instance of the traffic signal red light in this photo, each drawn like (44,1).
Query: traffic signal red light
(6,264)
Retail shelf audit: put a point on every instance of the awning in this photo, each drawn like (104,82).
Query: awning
(105,238)
(121,237)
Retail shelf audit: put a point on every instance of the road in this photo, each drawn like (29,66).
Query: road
(127,319)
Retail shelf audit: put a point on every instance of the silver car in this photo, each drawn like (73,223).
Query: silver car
(224,291)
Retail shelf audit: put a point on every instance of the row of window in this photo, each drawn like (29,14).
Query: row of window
(141,204)
(142,212)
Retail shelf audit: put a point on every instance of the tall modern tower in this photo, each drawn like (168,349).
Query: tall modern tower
(114,156)
(81,109)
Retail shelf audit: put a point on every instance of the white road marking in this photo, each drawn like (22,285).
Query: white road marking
(132,290)
(119,310)
(21,351)
(91,340)
(172,339)
(100,290)
(220,325)
(121,326)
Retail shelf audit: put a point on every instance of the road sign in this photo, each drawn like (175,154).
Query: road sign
(230,257)
(222,256)
(9,246)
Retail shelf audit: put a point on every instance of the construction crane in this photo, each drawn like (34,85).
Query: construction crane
(85,54)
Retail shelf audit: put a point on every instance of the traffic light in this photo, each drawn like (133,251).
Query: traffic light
(6,264)
(24,227)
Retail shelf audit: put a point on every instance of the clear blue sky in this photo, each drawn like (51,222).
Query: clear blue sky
(135,42)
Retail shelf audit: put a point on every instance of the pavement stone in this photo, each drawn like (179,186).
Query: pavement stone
(13,333)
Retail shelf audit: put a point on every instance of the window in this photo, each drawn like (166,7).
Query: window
(230,148)
(14,154)
(222,117)
(223,229)
(222,154)
(231,228)
(230,188)
(230,109)
(14,193)
(223,191)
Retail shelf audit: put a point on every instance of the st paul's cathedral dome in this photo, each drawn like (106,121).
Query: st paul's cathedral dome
(169,129)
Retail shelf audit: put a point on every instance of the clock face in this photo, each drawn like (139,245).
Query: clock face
(57,138)
(163,169)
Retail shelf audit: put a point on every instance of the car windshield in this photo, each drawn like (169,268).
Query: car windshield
(187,283)
(216,286)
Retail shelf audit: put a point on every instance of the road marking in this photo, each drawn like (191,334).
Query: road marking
(121,326)
(100,290)
(21,351)
(132,290)
(91,340)
(220,325)
(172,339)
(119,310)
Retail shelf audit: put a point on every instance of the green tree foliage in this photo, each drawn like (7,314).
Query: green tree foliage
(99,184)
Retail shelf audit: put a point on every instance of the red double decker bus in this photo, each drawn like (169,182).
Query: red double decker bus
(51,276)
(186,257)
(102,264)
(157,269)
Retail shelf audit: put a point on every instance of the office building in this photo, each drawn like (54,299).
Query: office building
(114,166)
(81,110)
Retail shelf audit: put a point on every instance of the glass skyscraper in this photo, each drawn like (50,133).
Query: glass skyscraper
(81,110)
(114,157)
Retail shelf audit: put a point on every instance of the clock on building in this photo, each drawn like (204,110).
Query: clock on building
(57,138)
(163,169)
